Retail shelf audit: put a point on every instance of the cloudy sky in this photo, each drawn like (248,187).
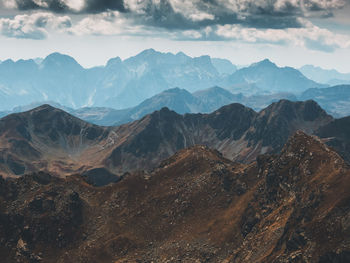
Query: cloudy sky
(289,32)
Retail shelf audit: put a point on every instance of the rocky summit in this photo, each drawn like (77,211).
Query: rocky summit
(195,206)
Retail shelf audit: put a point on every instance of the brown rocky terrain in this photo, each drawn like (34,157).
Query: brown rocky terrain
(196,206)
(48,139)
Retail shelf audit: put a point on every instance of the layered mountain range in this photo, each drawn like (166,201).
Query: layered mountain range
(334,100)
(125,83)
(51,140)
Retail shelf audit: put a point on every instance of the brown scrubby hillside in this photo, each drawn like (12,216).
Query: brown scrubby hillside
(196,206)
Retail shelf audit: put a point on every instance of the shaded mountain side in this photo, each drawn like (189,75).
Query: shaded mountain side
(277,122)
(195,206)
(45,138)
(51,140)
(337,135)
(237,131)
(162,133)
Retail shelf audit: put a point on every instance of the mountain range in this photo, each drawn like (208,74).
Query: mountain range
(275,182)
(176,99)
(54,141)
(122,84)
(163,157)
(334,100)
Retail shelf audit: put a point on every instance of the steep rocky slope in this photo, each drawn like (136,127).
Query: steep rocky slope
(195,207)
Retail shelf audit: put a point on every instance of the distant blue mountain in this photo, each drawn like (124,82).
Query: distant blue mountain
(122,84)
(266,77)
(331,77)
(176,99)
(119,84)
(223,66)
(335,100)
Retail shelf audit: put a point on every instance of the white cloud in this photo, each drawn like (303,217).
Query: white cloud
(107,23)
(39,25)
(10,4)
(190,10)
(33,26)
(76,5)
(310,36)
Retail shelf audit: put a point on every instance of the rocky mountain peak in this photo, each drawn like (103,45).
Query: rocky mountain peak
(61,61)
(265,63)
(301,145)
(307,111)
(194,155)
(302,157)
(164,114)
(114,62)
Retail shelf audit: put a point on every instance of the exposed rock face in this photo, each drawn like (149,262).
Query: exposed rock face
(195,207)
(51,140)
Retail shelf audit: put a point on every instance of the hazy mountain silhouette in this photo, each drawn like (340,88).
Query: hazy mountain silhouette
(326,76)
(126,83)
(267,77)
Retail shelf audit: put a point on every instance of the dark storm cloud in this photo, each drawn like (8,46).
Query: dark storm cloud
(52,5)
(96,6)
(61,6)
(164,15)
(279,14)
(195,14)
